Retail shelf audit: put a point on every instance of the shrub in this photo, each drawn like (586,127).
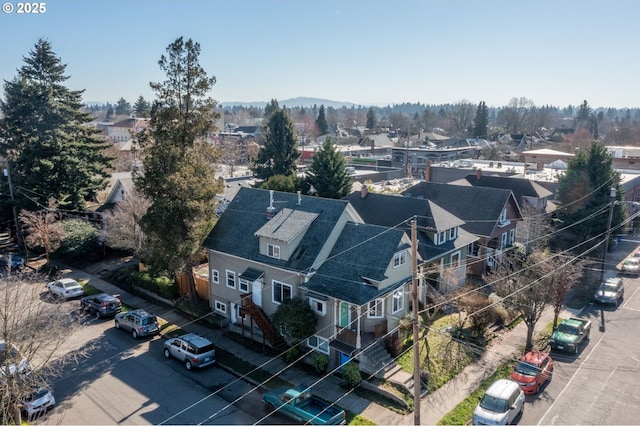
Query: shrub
(81,239)
(320,363)
(161,285)
(351,374)
(291,355)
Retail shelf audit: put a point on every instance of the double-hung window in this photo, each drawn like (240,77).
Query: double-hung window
(231,279)
(398,300)
(273,251)
(215,276)
(318,343)
(243,285)
(281,292)
(318,306)
(399,258)
(376,309)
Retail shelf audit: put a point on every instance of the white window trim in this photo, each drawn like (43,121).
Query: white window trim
(215,276)
(321,340)
(503,240)
(313,302)
(452,233)
(221,307)
(378,302)
(228,274)
(274,285)
(241,282)
(512,236)
(400,258)
(458,255)
(273,251)
(442,237)
(398,295)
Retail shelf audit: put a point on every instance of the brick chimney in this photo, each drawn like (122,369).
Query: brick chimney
(427,171)
(364,191)
(478,174)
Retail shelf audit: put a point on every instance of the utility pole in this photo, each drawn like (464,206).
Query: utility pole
(608,234)
(414,296)
(13,203)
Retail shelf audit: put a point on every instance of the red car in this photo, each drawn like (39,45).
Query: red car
(534,370)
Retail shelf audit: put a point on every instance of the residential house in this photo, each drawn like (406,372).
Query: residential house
(489,213)
(443,243)
(269,246)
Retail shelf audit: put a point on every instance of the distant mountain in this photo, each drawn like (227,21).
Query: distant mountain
(294,102)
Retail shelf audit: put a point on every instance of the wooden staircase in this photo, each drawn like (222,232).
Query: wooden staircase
(258,316)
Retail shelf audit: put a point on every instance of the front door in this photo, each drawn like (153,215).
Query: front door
(256,293)
(345,312)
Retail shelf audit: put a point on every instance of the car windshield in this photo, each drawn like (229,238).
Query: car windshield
(148,320)
(564,328)
(631,262)
(70,285)
(494,404)
(526,369)
(607,287)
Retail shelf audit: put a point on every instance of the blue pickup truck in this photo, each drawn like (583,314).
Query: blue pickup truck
(299,404)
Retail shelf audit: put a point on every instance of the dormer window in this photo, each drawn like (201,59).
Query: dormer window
(442,237)
(273,251)
(399,258)
(452,233)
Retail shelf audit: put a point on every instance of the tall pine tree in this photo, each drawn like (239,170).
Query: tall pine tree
(321,122)
(179,172)
(280,153)
(52,152)
(481,121)
(328,172)
(141,107)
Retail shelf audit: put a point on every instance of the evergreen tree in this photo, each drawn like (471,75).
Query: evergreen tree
(328,172)
(321,122)
(583,113)
(141,108)
(110,111)
(52,152)
(481,121)
(371,119)
(585,190)
(179,173)
(271,107)
(280,152)
(123,107)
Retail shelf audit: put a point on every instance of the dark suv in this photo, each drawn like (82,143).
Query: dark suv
(137,322)
(101,305)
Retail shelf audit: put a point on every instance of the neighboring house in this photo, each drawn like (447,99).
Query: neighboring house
(269,246)
(376,141)
(120,184)
(489,213)
(527,192)
(443,243)
(122,130)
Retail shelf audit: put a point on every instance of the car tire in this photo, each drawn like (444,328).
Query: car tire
(134,334)
(167,354)
(117,324)
(97,314)
(268,407)
(188,365)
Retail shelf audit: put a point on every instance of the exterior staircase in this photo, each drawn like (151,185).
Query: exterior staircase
(263,322)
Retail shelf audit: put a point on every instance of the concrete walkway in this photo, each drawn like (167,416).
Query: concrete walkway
(433,406)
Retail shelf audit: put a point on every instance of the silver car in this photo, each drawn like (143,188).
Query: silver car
(137,322)
(38,402)
(195,351)
(631,266)
(65,288)
(611,291)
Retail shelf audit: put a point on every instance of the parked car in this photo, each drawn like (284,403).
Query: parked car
(11,358)
(15,260)
(610,292)
(195,351)
(137,322)
(631,266)
(501,404)
(38,402)
(533,371)
(66,288)
(101,305)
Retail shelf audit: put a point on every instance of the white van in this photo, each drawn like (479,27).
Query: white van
(500,405)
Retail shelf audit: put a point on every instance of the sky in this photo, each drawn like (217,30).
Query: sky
(368,52)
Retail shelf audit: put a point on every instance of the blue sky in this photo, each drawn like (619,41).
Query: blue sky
(370,52)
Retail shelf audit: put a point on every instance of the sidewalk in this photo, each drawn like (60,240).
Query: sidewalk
(433,406)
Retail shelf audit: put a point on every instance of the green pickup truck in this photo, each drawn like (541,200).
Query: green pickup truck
(569,334)
(300,405)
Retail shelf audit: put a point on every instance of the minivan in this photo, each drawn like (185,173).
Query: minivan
(500,405)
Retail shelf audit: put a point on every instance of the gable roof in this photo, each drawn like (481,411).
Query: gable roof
(395,211)
(520,187)
(479,207)
(361,252)
(235,232)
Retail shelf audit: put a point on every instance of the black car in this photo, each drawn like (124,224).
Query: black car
(101,305)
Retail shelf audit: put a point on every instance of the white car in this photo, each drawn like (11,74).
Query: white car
(12,360)
(39,401)
(66,288)
(501,404)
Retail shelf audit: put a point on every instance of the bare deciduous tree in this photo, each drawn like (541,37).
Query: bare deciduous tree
(123,230)
(565,276)
(462,114)
(515,114)
(44,229)
(37,327)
